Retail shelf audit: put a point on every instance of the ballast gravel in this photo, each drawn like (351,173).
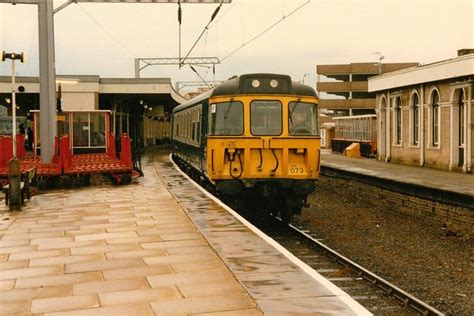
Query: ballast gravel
(418,255)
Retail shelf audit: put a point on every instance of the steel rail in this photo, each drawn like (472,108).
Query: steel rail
(389,288)
(392,290)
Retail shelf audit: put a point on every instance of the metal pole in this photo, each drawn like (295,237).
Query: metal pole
(137,68)
(13,109)
(47,79)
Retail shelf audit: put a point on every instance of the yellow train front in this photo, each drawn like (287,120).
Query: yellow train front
(255,138)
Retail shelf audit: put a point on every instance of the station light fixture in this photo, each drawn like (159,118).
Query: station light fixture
(22,58)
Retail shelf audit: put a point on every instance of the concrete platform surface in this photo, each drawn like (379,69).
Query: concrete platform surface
(122,250)
(279,283)
(423,176)
(138,250)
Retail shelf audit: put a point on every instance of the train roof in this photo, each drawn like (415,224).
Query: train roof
(258,83)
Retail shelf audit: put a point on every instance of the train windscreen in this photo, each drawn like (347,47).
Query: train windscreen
(265,118)
(303,119)
(226,119)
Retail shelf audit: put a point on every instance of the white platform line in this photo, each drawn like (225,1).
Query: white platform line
(346,298)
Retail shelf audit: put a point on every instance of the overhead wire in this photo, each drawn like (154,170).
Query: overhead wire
(222,15)
(265,31)
(28,56)
(180,20)
(200,77)
(214,14)
(119,42)
(205,44)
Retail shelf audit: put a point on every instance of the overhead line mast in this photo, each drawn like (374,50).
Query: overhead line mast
(172,61)
(47,64)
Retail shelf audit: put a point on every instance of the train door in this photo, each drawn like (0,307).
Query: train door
(203,121)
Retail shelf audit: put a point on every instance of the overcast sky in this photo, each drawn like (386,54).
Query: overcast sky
(104,39)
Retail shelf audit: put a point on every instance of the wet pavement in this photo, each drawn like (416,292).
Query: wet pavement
(116,250)
(276,283)
(156,247)
(431,178)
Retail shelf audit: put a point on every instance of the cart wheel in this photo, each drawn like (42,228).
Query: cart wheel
(87,180)
(52,182)
(41,184)
(125,179)
(79,182)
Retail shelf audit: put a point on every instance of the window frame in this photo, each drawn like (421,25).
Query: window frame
(316,106)
(435,143)
(415,109)
(209,120)
(281,116)
(398,124)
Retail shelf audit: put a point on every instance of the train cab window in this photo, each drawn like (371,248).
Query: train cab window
(303,119)
(265,118)
(226,118)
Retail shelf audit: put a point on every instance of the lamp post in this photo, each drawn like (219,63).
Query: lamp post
(13,57)
(14,178)
(304,76)
(381,57)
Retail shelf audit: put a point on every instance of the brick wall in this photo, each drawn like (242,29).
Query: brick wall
(455,218)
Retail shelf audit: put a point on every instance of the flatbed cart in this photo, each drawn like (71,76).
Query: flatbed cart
(85,148)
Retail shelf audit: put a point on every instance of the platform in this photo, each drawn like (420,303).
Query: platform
(454,182)
(139,250)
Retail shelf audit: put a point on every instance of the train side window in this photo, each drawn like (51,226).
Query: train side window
(198,124)
(226,118)
(178,124)
(198,132)
(189,126)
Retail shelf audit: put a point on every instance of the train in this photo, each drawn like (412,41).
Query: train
(255,140)
(360,129)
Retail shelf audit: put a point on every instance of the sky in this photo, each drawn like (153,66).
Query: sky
(104,39)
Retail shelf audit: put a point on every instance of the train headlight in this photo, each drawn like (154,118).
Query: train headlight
(255,83)
(273,83)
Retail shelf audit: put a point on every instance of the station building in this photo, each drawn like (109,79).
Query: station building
(140,107)
(425,114)
(349,83)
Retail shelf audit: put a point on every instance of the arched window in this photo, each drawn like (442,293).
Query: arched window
(398,121)
(415,115)
(435,119)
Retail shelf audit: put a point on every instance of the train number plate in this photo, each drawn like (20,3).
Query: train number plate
(295,169)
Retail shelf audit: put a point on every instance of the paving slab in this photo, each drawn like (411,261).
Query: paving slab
(423,176)
(266,271)
(102,251)
(156,247)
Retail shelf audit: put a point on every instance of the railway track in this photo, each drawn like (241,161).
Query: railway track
(373,292)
